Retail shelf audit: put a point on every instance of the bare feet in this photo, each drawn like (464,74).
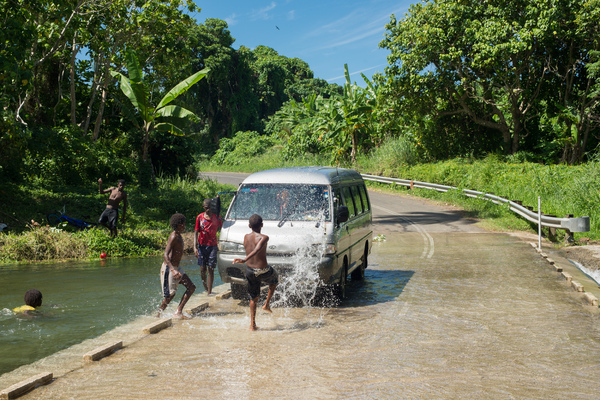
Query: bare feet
(266,308)
(180,316)
(254,328)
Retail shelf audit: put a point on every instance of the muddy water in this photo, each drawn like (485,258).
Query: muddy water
(482,317)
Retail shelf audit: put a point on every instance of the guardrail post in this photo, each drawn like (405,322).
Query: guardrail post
(551,231)
(411,185)
(569,238)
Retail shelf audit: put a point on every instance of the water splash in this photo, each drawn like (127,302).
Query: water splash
(301,286)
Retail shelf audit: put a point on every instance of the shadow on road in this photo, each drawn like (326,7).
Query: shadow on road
(422,218)
(379,286)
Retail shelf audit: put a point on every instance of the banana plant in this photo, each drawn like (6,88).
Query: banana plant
(160,117)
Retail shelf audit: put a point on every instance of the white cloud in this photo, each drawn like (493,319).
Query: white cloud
(231,20)
(351,28)
(263,13)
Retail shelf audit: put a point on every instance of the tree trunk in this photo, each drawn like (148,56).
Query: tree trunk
(74,50)
(102,102)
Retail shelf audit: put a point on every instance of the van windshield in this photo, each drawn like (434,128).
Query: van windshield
(282,202)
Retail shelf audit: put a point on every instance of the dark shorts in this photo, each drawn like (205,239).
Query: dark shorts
(207,256)
(257,276)
(109,217)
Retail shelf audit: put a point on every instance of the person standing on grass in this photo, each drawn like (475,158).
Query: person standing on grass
(257,269)
(111,213)
(205,247)
(170,273)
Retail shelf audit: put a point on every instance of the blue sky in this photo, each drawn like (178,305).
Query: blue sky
(326,34)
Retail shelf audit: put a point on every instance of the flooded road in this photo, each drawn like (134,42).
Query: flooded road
(446,311)
(484,317)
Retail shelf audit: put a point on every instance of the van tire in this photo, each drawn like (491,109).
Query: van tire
(359,273)
(341,286)
(238,292)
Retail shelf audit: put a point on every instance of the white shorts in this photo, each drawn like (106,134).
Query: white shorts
(167,282)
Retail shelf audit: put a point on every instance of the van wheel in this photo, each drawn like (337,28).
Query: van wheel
(238,291)
(359,273)
(341,286)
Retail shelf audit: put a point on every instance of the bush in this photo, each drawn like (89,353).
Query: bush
(241,147)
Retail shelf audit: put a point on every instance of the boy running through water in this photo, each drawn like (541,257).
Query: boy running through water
(205,248)
(170,273)
(257,269)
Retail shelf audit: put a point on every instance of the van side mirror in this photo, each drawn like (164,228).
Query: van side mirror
(342,214)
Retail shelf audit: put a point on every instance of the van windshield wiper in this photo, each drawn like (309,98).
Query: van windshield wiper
(287,214)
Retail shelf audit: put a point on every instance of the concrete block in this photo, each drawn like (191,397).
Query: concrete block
(567,276)
(102,352)
(25,386)
(198,309)
(224,295)
(158,326)
(578,287)
(551,261)
(544,255)
(558,268)
(591,299)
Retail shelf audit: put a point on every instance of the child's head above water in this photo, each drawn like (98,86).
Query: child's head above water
(33,298)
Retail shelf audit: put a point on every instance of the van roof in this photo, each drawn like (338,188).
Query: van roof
(304,175)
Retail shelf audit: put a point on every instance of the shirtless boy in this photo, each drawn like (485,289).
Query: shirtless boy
(111,213)
(170,273)
(257,269)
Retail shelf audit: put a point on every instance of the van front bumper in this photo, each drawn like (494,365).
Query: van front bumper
(284,265)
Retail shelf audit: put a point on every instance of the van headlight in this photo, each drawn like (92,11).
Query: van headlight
(231,247)
(329,249)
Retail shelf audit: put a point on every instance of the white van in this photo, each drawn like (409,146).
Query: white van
(319,214)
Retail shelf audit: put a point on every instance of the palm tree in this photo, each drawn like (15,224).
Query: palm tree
(154,118)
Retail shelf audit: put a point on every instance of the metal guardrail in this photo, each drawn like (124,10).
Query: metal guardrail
(570,224)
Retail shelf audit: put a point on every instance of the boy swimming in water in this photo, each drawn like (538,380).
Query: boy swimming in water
(257,269)
(170,273)
(33,299)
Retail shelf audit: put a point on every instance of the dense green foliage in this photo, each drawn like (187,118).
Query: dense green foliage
(512,75)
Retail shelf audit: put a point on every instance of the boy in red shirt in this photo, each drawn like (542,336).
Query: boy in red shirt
(207,225)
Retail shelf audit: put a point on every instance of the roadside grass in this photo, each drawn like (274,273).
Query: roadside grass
(143,233)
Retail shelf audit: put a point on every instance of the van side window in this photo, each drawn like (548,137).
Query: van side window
(365,199)
(348,202)
(357,201)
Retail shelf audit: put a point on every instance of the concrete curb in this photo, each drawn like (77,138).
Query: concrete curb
(158,326)
(576,286)
(102,352)
(25,386)
(197,309)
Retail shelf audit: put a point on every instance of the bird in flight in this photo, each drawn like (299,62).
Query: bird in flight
(277,28)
